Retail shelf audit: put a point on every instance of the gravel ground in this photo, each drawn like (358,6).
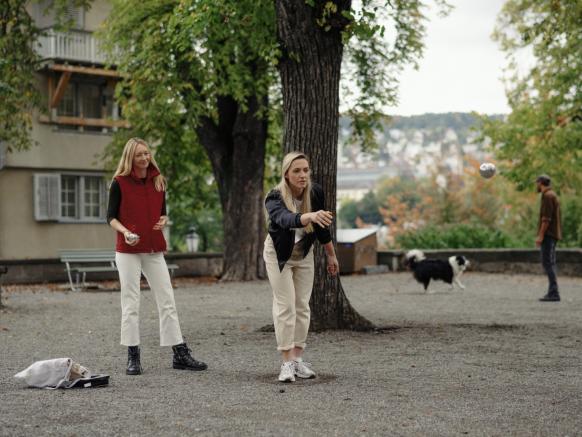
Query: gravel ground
(490,360)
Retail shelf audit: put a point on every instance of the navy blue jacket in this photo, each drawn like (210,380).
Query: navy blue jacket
(281,220)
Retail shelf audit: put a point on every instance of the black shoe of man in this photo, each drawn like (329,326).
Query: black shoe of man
(550,297)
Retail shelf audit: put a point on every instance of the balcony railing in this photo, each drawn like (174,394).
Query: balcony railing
(76,46)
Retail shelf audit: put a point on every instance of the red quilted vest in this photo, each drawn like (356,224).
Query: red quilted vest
(140,209)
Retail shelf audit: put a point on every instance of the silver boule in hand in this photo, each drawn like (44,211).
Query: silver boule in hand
(131,237)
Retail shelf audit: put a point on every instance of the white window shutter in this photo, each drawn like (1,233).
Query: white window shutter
(47,195)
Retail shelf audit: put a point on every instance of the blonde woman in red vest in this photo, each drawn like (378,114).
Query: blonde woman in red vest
(137,211)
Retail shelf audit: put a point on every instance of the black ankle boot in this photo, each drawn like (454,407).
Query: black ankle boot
(133,361)
(551,297)
(183,359)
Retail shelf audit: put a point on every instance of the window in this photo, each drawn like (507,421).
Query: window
(93,197)
(68,104)
(84,100)
(91,99)
(70,197)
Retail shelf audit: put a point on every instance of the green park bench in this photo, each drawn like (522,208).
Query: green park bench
(79,262)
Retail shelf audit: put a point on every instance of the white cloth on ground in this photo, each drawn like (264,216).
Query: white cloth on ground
(54,373)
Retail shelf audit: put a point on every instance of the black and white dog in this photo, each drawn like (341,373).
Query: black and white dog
(424,269)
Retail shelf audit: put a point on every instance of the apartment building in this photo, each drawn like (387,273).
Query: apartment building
(54,195)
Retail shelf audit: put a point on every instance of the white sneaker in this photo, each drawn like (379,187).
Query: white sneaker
(287,373)
(303,369)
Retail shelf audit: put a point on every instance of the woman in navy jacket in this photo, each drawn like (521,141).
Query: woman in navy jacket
(296,217)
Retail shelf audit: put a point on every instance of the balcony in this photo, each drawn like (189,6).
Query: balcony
(73,46)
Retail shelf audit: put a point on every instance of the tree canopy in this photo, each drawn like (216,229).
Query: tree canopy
(198,76)
(543,132)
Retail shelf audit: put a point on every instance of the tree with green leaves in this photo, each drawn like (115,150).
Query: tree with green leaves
(543,132)
(378,39)
(201,72)
(19,63)
(365,209)
(197,78)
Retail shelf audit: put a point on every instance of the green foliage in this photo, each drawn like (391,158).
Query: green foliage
(571,209)
(207,223)
(510,221)
(18,65)
(191,54)
(456,236)
(543,133)
(406,189)
(18,62)
(180,60)
(366,209)
(347,214)
(461,210)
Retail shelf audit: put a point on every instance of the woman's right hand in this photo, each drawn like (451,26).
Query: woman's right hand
(130,242)
(321,217)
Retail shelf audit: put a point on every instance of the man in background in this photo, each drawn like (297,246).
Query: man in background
(549,233)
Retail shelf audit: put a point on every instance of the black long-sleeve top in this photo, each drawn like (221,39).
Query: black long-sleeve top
(282,223)
(115,201)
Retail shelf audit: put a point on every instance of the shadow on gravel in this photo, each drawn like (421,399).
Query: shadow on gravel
(488,327)
(493,327)
(389,329)
(271,378)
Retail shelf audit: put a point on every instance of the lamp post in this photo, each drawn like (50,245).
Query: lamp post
(192,240)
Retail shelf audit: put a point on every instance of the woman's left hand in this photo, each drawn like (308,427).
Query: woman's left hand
(163,221)
(332,265)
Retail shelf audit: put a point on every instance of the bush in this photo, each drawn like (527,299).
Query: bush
(458,236)
(571,209)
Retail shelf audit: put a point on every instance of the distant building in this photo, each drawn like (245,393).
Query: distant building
(54,195)
(353,184)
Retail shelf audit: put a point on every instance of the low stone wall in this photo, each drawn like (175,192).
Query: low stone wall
(210,264)
(29,271)
(496,260)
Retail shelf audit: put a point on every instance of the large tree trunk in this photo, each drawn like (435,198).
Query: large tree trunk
(310,75)
(236,149)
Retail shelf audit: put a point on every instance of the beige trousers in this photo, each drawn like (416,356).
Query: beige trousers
(155,270)
(291,292)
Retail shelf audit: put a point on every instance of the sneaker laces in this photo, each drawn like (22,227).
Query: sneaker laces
(305,363)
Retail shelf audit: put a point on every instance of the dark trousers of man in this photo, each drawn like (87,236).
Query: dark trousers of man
(548,250)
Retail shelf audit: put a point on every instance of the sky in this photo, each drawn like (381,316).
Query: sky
(462,66)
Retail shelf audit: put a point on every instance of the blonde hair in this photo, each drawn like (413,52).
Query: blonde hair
(286,192)
(126,162)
